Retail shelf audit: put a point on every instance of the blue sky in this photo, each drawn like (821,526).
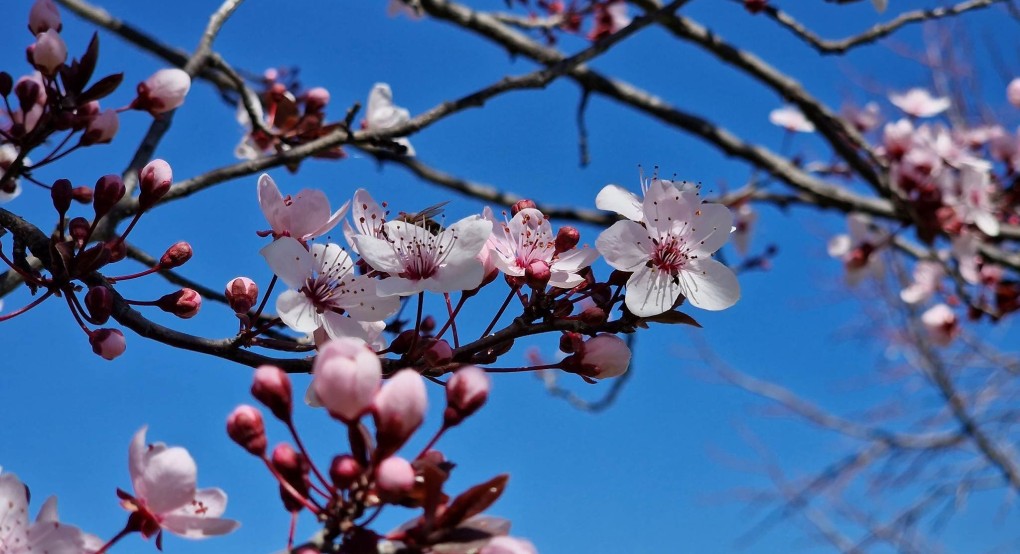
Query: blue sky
(660,471)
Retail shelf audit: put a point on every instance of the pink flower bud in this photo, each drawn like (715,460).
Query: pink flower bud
(399,409)
(245,427)
(49,52)
(466,392)
(1013,92)
(508,545)
(271,387)
(43,16)
(155,179)
(394,478)
(567,238)
(163,91)
(593,315)
(242,294)
(109,190)
(61,193)
(184,303)
(345,377)
(344,471)
(522,205)
(108,343)
(316,99)
(82,194)
(537,274)
(101,129)
(99,301)
(176,256)
(606,356)
(438,353)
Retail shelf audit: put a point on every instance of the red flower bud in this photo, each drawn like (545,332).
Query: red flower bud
(242,293)
(271,387)
(245,427)
(344,471)
(82,195)
(294,469)
(99,301)
(521,205)
(176,256)
(184,303)
(567,238)
(109,190)
(438,353)
(61,193)
(117,249)
(78,228)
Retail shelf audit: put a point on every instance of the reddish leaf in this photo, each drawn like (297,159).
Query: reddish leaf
(101,88)
(673,317)
(472,502)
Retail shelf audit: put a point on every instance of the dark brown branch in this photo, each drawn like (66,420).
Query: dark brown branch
(881,30)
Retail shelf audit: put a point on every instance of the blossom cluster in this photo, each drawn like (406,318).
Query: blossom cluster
(956,182)
(661,253)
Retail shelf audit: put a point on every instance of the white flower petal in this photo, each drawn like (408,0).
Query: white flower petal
(289,260)
(625,245)
(651,292)
(617,199)
(709,285)
(379,254)
(297,311)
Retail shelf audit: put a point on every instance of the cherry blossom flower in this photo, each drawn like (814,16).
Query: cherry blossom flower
(974,203)
(928,276)
(941,324)
(368,217)
(670,254)
(324,287)
(857,249)
(382,114)
(303,216)
(46,535)
(918,102)
(164,481)
(791,119)
(528,238)
(418,260)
